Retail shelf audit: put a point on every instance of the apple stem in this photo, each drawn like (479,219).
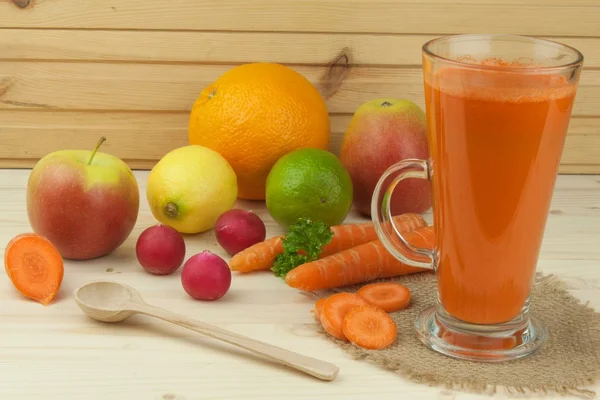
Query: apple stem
(171,210)
(102,140)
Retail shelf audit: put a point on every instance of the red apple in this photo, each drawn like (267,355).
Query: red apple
(85,202)
(381,133)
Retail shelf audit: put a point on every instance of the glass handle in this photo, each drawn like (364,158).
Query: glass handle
(381,213)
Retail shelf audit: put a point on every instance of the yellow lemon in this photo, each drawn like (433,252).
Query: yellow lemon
(190,187)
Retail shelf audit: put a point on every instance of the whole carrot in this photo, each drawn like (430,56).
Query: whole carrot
(261,256)
(257,257)
(359,264)
(351,235)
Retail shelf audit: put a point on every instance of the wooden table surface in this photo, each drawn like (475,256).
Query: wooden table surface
(56,352)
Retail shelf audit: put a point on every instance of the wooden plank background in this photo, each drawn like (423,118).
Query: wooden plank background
(73,70)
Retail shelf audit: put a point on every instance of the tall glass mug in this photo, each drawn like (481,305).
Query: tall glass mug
(498,108)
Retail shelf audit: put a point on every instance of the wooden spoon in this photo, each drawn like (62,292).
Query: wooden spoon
(115,302)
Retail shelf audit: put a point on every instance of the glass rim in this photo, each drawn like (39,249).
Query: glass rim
(577,63)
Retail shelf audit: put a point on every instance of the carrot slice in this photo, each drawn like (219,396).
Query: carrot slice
(34,266)
(335,309)
(369,327)
(388,296)
(319,307)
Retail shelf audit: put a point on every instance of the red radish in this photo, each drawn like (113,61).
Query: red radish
(206,276)
(160,249)
(237,230)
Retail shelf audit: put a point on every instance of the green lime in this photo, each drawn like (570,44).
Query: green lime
(309,183)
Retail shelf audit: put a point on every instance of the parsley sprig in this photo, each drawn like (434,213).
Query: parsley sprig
(303,243)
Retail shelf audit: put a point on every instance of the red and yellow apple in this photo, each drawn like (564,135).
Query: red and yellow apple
(85,202)
(381,133)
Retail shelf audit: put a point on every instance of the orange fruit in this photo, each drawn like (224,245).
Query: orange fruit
(254,114)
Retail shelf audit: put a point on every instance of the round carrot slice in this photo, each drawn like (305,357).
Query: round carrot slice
(388,296)
(369,327)
(319,307)
(335,309)
(34,266)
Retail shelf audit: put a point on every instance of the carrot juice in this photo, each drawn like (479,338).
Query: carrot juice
(496,140)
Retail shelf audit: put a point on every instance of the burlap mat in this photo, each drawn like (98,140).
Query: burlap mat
(567,363)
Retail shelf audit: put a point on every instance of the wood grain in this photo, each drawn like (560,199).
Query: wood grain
(164,87)
(214,47)
(129,135)
(231,47)
(70,357)
(116,86)
(383,16)
(18,163)
(143,62)
(143,138)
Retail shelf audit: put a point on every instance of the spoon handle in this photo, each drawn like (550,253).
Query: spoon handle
(312,366)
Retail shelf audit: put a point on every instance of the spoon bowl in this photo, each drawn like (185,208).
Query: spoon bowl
(107,301)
